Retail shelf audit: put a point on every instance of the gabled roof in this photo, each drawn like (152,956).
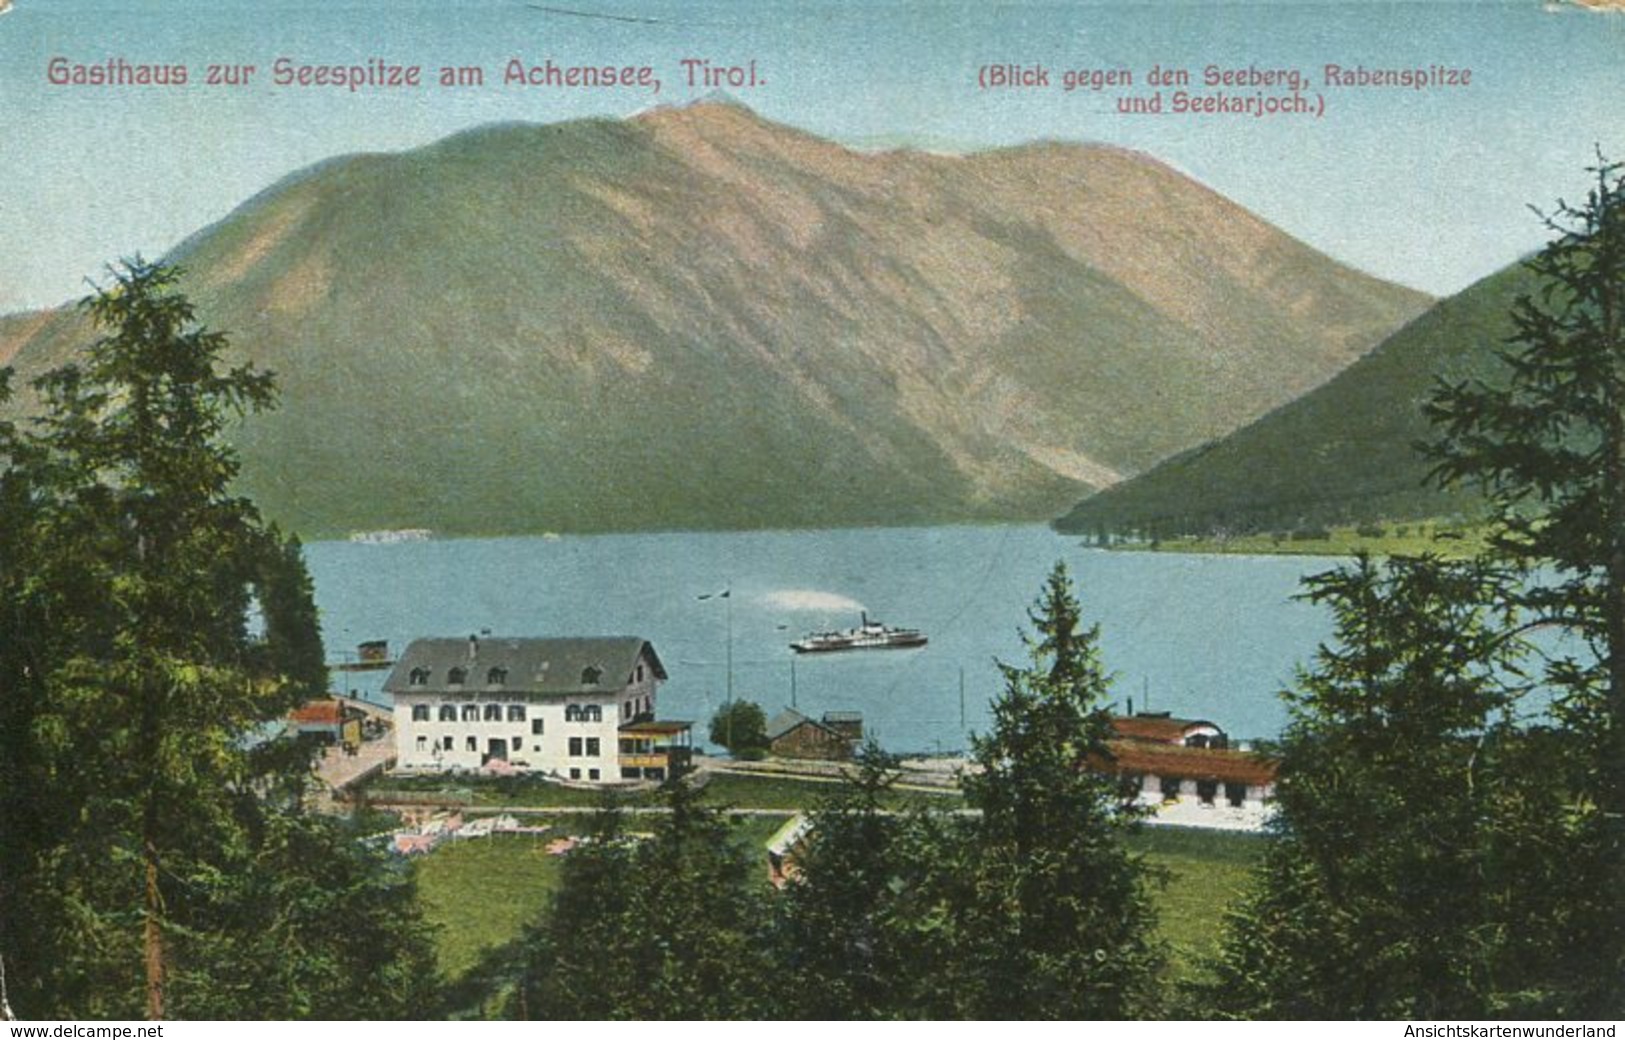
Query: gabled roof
(784,722)
(790,719)
(1162,728)
(1145,758)
(318,713)
(793,832)
(596,664)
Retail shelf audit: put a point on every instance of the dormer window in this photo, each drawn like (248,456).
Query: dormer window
(456,677)
(496,677)
(418,677)
(591,675)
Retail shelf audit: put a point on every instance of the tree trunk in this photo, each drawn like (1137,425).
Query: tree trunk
(1612,797)
(153,937)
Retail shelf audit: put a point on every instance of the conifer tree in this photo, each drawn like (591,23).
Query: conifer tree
(148,824)
(667,926)
(1057,921)
(1547,444)
(1417,868)
(843,920)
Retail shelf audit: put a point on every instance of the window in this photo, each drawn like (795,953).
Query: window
(423,743)
(630,772)
(592,747)
(592,774)
(456,676)
(1207,791)
(626,746)
(640,673)
(472,744)
(591,675)
(648,705)
(575,774)
(471,713)
(420,713)
(535,727)
(572,713)
(1235,794)
(493,713)
(517,743)
(592,713)
(516,713)
(575,747)
(496,677)
(654,774)
(448,713)
(1170,787)
(445,743)
(419,677)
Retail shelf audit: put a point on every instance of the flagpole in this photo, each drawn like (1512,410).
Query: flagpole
(727,594)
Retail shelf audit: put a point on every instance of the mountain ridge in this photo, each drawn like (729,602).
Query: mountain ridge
(1342,454)
(711,320)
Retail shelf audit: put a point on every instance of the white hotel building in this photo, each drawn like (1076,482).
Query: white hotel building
(578,709)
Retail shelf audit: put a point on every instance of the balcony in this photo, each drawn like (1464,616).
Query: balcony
(655,750)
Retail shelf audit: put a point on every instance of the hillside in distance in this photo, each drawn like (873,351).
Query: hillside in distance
(696,318)
(1344,453)
(20,328)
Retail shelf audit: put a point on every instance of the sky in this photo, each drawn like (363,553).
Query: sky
(1428,187)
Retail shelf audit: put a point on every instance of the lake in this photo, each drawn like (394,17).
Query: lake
(1214,637)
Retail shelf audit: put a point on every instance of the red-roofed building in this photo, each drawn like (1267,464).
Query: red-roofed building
(1164,729)
(1186,773)
(1215,765)
(324,721)
(318,713)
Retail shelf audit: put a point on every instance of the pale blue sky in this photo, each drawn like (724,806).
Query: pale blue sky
(1427,188)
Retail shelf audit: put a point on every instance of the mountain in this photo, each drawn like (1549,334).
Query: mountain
(696,318)
(1343,453)
(17,329)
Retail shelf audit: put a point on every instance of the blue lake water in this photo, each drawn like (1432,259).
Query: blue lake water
(1211,636)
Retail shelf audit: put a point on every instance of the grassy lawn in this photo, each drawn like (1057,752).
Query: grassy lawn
(480,893)
(1206,871)
(789,793)
(753,832)
(731,789)
(491,791)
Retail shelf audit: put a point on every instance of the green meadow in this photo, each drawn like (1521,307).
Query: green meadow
(479,893)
